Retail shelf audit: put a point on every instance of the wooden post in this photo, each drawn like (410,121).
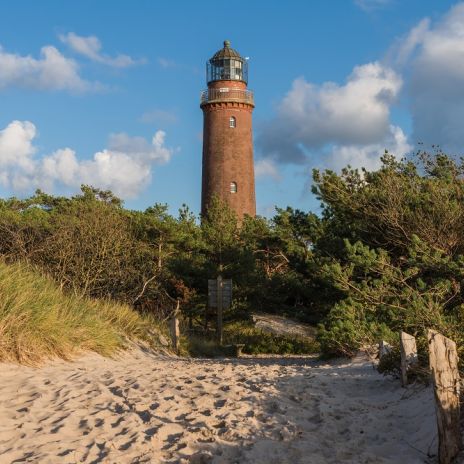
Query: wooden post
(384,348)
(408,355)
(238,349)
(175,332)
(174,329)
(219,310)
(444,366)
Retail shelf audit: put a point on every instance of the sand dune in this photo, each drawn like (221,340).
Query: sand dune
(146,408)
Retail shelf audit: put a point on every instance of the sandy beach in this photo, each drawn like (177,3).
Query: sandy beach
(146,408)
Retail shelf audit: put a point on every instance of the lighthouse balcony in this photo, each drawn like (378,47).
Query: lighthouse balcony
(226,94)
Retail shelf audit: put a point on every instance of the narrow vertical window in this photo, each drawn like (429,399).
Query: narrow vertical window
(232,122)
(233,187)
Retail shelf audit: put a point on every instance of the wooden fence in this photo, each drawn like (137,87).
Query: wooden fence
(445,374)
(443,362)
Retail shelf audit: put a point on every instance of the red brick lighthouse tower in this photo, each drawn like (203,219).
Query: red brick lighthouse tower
(227,104)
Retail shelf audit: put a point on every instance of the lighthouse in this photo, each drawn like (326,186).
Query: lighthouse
(227,104)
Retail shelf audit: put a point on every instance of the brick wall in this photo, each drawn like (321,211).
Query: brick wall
(228,153)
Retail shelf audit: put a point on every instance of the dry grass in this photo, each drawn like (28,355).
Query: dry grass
(38,321)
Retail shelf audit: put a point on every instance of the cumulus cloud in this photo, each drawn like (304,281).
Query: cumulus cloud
(312,117)
(434,54)
(16,153)
(90,47)
(368,156)
(336,124)
(51,71)
(16,146)
(125,167)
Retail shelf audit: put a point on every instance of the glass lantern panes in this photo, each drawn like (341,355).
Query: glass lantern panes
(227,69)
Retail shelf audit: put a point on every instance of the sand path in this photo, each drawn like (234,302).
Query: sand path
(145,408)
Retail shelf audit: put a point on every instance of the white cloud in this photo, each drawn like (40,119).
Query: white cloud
(435,56)
(16,154)
(52,71)
(368,156)
(311,117)
(91,46)
(16,146)
(125,167)
(335,125)
(267,168)
(62,165)
(401,52)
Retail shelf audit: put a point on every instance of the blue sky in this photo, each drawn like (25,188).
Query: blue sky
(108,92)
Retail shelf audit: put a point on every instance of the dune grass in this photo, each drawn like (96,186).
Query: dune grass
(38,321)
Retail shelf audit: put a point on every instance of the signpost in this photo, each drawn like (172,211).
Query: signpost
(220,297)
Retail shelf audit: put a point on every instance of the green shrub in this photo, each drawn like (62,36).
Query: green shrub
(390,363)
(257,341)
(347,329)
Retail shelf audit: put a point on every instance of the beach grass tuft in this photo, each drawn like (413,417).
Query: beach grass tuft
(38,321)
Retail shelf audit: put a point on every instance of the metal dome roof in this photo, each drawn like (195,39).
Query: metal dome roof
(226,52)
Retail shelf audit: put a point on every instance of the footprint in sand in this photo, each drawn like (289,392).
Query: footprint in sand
(220,403)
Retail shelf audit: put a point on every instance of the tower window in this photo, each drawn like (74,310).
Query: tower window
(232,122)
(233,187)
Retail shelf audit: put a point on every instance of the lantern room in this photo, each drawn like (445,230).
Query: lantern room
(227,64)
